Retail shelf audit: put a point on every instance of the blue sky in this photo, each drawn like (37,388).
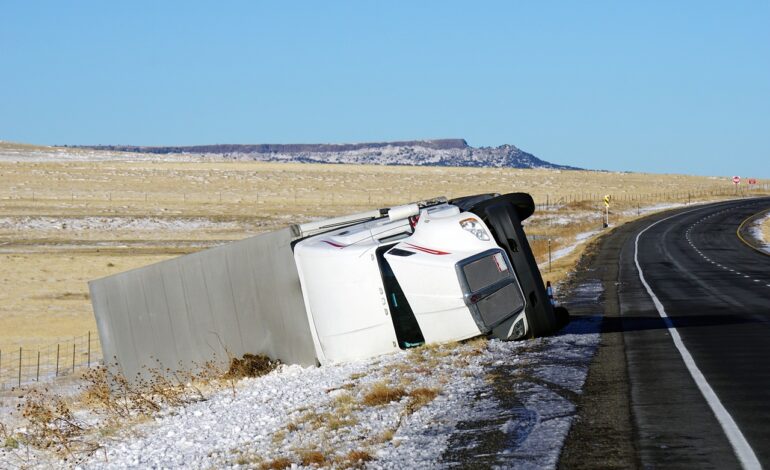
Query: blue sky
(658,86)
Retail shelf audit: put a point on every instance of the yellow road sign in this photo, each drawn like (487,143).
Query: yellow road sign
(607,200)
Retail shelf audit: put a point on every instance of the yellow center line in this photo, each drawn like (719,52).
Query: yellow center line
(740,228)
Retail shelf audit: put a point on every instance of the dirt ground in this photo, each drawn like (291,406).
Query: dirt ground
(70,216)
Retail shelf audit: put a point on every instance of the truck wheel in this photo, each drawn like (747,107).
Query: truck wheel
(522,203)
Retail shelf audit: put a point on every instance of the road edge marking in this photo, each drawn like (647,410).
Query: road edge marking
(743,450)
(745,242)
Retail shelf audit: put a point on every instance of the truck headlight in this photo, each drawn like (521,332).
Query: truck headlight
(474,226)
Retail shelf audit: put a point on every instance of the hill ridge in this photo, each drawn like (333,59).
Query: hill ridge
(433,152)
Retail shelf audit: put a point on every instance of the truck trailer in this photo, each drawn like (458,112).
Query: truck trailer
(335,290)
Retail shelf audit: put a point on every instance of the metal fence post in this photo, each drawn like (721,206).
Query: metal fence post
(73,355)
(57,359)
(37,377)
(19,366)
(89,348)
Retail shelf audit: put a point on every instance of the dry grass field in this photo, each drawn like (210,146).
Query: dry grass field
(69,216)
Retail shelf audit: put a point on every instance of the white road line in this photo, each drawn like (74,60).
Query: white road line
(742,449)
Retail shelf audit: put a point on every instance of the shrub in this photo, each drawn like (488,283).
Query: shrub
(313,457)
(251,365)
(276,464)
(381,394)
(420,397)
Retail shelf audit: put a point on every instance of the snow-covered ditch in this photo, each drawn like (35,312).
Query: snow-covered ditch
(503,403)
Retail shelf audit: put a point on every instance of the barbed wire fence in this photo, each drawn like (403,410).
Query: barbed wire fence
(20,366)
(337,196)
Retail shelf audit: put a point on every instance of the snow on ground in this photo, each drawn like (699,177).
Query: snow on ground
(56,154)
(657,207)
(756,231)
(47,224)
(580,238)
(563,219)
(526,389)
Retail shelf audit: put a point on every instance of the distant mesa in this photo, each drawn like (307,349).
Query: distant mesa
(438,152)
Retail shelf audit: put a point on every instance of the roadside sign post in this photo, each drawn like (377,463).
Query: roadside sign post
(736,182)
(549,255)
(607,199)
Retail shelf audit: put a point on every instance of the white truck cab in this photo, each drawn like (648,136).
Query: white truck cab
(427,272)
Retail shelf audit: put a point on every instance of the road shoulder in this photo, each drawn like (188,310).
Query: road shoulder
(602,433)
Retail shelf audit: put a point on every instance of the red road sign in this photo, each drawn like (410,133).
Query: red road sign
(736,179)
(752,181)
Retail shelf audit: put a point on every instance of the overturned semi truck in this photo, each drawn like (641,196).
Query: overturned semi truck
(335,290)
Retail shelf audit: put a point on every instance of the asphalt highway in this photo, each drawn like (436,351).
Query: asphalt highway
(687,338)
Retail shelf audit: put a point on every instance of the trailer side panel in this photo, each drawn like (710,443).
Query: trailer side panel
(242,297)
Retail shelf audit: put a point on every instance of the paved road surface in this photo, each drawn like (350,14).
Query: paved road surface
(692,390)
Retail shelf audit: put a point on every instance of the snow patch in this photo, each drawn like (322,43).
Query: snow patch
(756,231)
(47,224)
(564,251)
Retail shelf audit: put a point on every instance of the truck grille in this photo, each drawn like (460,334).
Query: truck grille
(501,304)
(485,272)
(490,287)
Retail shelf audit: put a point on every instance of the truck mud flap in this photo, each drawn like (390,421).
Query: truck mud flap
(503,216)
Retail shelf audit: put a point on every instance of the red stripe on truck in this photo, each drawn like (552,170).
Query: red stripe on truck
(427,250)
